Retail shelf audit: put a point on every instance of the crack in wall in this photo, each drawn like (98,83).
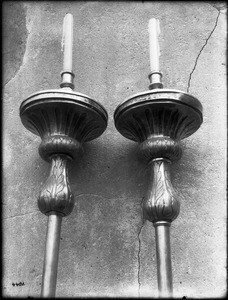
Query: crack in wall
(197,58)
(139,250)
(219,5)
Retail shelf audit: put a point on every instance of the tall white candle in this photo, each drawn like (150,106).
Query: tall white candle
(154,31)
(67,42)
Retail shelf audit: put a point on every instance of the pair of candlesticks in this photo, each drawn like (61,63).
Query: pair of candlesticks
(158,119)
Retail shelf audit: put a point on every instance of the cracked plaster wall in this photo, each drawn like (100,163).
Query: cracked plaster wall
(107,249)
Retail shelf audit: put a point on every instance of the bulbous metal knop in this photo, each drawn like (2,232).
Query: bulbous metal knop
(159,146)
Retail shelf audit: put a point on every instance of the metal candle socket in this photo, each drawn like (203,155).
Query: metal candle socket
(158,119)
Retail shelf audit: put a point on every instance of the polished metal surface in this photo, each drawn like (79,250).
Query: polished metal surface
(163,253)
(161,206)
(163,112)
(161,203)
(158,119)
(64,120)
(63,111)
(50,266)
(155,80)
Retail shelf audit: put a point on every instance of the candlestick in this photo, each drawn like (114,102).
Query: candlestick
(64,120)
(158,120)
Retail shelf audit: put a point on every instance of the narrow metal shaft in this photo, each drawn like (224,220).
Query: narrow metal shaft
(50,267)
(163,252)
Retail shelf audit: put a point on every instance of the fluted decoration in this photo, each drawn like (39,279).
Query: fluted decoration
(168,113)
(64,120)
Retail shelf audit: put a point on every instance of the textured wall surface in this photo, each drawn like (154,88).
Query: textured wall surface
(107,249)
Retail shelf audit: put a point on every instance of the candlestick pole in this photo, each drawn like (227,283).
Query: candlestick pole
(50,267)
(163,253)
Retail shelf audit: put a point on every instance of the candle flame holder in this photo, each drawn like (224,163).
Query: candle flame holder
(64,120)
(158,119)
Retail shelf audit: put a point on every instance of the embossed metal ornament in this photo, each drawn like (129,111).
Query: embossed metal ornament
(158,119)
(64,120)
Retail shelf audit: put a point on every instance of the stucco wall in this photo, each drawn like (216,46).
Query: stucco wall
(107,249)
